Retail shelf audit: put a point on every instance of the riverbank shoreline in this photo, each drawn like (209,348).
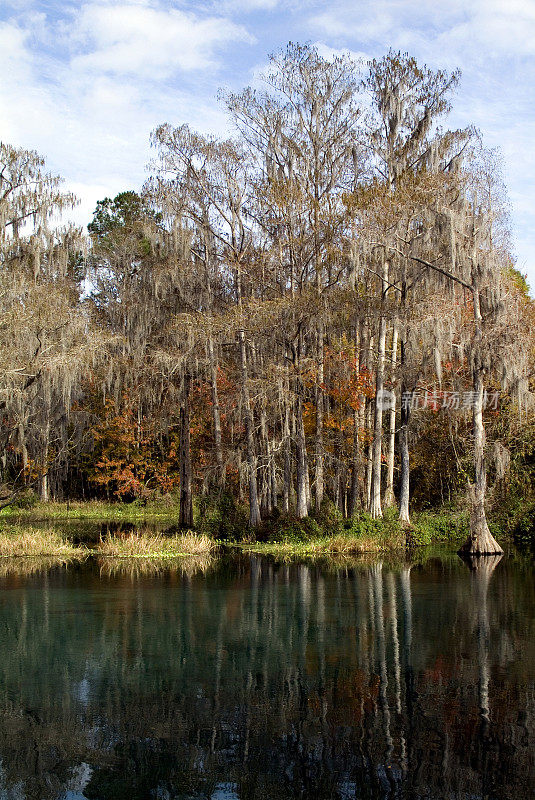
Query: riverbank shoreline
(150,531)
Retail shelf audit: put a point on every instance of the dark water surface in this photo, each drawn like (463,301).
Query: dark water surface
(252,680)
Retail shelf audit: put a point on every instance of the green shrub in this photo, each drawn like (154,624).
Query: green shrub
(329,518)
(362,525)
(524,530)
(27,499)
(428,528)
(289,529)
(222,517)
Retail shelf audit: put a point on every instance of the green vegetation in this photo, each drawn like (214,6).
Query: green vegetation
(443,527)
(28,511)
(326,533)
(327,546)
(522,525)
(24,539)
(330,532)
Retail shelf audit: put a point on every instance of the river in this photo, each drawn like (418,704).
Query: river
(244,678)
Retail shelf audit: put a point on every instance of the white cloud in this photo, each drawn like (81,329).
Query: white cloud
(332,52)
(86,90)
(14,57)
(340,21)
(247,5)
(153,42)
(22,103)
(446,30)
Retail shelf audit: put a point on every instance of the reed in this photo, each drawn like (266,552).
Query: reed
(150,545)
(25,541)
(338,545)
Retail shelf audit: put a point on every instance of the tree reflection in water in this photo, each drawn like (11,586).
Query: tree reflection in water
(252,680)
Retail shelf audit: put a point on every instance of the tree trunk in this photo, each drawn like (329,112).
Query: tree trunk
(389,499)
(405,412)
(24,452)
(369,468)
(375,493)
(356,460)
(301,458)
(355,466)
(342,490)
(272,474)
(186,498)
(216,414)
(480,540)
(43,473)
(320,457)
(43,487)
(266,500)
(368,419)
(404,489)
(287,477)
(254,510)
(375,489)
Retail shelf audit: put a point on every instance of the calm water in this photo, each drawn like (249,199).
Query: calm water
(250,680)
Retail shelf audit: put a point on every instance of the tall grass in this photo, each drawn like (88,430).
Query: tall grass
(24,541)
(150,545)
(338,545)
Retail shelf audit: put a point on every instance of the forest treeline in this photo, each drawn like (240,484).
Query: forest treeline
(321,308)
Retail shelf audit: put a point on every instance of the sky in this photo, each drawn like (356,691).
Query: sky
(84,83)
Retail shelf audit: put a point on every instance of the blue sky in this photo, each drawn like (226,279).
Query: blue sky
(84,83)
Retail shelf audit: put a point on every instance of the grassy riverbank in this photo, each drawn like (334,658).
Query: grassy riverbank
(92,510)
(29,531)
(328,534)
(26,540)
